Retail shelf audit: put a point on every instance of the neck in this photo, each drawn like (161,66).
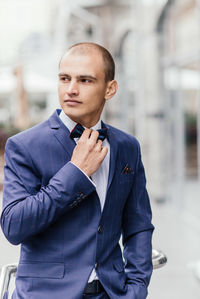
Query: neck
(86,123)
(89,124)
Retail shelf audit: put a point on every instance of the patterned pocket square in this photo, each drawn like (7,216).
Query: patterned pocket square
(127,169)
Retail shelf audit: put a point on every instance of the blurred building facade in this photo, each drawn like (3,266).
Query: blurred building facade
(178,31)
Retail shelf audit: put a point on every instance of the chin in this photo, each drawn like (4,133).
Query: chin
(73,116)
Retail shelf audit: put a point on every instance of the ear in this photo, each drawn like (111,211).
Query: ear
(111,89)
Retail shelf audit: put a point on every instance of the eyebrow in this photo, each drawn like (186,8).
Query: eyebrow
(88,77)
(79,77)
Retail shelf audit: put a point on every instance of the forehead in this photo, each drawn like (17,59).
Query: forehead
(83,63)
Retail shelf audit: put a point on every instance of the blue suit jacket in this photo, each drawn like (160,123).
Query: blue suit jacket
(53,210)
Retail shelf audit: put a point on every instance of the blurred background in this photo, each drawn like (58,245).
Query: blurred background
(156,46)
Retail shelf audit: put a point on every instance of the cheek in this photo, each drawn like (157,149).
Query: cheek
(61,91)
(96,96)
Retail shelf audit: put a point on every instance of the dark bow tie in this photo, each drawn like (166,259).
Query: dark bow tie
(78,131)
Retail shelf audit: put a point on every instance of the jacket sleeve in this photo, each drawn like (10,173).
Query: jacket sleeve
(28,211)
(137,234)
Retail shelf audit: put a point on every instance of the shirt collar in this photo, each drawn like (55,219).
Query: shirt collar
(70,124)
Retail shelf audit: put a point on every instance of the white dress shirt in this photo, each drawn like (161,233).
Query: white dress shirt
(100,177)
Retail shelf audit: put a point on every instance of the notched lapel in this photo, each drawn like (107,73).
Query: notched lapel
(113,156)
(61,133)
(63,137)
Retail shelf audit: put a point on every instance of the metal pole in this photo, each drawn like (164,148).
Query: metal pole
(198,101)
(7,272)
(179,142)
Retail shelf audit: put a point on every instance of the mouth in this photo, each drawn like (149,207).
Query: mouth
(72,102)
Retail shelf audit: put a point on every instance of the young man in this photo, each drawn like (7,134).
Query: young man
(69,197)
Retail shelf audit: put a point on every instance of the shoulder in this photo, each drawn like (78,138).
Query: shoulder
(31,134)
(38,136)
(127,145)
(40,132)
(123,137)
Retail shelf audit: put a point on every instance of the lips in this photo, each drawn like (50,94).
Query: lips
(71,102)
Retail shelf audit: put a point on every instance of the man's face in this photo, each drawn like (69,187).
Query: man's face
(82,87)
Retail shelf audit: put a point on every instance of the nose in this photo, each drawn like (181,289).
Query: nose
(72,89)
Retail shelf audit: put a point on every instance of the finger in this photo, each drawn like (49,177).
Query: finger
(100,142)
(104,152)
(86,134)
(94,136)
(99,145)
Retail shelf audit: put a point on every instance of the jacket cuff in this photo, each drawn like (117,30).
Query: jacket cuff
(72,184)
(84,174)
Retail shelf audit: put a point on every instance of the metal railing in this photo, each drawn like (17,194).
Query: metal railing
(8,272)
(159,259)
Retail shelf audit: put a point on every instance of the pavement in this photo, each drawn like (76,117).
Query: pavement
(177,234)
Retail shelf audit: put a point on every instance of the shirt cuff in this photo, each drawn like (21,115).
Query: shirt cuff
(84,174)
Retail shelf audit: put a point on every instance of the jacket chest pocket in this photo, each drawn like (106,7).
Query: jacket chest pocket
(126,178)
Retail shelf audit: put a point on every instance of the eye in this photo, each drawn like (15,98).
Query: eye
(65,79)
(85,80)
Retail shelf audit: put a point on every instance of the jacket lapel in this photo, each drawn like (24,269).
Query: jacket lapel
(113,154)
(61,133)
(112,138)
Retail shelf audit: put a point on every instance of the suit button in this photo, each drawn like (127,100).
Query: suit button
(96,266)
(100,229)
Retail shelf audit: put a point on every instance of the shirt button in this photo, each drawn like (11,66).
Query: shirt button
(100,229)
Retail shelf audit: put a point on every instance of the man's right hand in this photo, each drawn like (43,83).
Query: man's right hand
(89,152)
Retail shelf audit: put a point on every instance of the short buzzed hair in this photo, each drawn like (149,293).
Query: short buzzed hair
(109,64)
